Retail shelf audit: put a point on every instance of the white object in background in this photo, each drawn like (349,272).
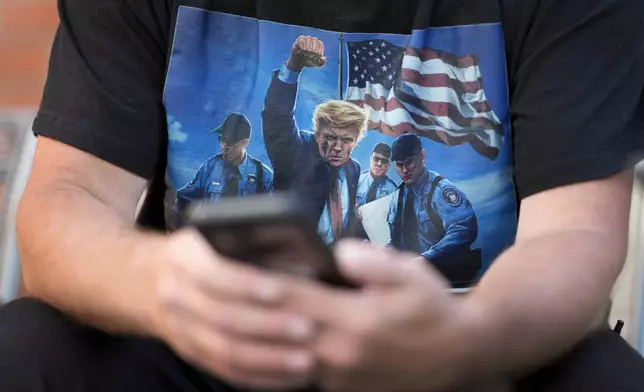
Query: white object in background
(374,220)
(636,250)
(628,295)
(10,274)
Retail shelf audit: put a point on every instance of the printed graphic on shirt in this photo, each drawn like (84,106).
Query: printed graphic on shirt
(402,140)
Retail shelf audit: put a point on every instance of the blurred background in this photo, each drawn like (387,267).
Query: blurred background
(27,28)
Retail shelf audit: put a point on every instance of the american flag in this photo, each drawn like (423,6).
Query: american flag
(431,93)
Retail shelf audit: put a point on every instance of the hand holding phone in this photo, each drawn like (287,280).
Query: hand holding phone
(274,231)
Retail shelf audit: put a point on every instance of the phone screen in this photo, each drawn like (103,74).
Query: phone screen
(276,236)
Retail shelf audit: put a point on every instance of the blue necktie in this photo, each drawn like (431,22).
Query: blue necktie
(231,187)
(373,192)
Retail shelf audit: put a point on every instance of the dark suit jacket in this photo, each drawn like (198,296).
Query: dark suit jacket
(295,157)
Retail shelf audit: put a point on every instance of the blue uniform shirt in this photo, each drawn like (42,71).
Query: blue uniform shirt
(459,222)
(210,180)
(386,186)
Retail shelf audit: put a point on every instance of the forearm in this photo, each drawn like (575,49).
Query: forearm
(279,102)
(541,297)
(87,259)
(280,132)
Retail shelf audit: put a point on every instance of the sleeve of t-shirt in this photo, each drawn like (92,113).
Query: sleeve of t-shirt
(577,103)
(103,93)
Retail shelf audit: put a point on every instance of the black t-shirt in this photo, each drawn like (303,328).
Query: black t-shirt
(469,107)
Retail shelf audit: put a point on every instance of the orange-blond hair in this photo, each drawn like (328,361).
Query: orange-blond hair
(342,115)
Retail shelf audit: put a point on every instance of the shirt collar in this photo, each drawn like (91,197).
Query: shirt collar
(378,181)
(242,166)
(420,186)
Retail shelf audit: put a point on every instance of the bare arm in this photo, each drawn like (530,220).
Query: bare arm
(545,293)
(82,253)
(78,242)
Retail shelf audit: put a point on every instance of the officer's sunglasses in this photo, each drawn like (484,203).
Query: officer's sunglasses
(228,142)
(382,161)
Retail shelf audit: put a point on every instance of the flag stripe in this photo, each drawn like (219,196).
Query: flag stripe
(441,80)
(400,116)
(429,92)
(448,58)
(431,67)
(444,93)
(451,121)
(438,136)
(447,109)
(444,112)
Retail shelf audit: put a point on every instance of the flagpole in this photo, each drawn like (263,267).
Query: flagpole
(341,66)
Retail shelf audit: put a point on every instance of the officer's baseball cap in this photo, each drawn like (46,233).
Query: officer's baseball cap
(236,127)
(405,147)
(382,149)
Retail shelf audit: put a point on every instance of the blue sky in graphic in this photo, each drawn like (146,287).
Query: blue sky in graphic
(231,73)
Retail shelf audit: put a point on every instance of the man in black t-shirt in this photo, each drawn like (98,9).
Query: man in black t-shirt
(538,98)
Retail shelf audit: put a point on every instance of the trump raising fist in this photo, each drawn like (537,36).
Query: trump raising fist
(306,52)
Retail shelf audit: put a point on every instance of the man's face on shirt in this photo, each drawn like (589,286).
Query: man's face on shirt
(233,150)
(411,169)
(379,165)
(335,145)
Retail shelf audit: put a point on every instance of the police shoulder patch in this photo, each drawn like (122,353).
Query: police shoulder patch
(252,179)
(451,196)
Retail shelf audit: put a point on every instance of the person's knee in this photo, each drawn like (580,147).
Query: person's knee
(42,349)
(35,338)
(28,322)
(603,361)
(25,309)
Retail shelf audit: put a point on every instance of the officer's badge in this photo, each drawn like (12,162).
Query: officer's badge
(252,179)
(451,196)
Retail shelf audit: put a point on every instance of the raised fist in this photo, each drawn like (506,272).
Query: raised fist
(306,52)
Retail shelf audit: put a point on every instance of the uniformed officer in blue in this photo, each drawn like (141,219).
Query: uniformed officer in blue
(231,173)
(374,183)
(430,216)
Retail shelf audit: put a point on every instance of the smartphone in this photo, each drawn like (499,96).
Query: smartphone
(275,231)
